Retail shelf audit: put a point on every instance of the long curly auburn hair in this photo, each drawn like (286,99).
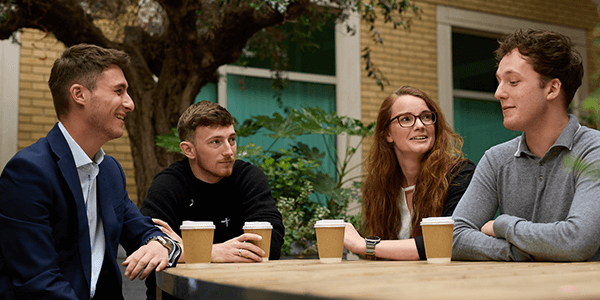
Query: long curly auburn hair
(380,207)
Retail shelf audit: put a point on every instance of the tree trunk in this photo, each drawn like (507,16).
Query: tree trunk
(158,106)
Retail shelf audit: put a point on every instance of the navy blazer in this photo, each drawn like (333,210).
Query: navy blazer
(44,238)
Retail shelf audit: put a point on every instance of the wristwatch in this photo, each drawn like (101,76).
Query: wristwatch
(371,242)
(163,241)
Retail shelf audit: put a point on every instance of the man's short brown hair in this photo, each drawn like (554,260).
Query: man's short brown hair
(82,64)
(203,113)
(551,54)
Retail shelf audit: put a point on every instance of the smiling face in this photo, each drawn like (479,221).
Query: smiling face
(109,103)
(521,93)
(415,141)
(213,154)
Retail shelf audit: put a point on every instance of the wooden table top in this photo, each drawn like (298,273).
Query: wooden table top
(364,279)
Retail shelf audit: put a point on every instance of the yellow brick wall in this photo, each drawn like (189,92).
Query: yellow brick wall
(36,110)
(574,13)
(410,57)
(405,58)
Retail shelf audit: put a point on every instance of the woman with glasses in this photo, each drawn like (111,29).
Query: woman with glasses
(416,170)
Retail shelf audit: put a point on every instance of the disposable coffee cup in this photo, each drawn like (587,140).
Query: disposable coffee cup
(330,240)
(437,236)
(197,242)
(263,229)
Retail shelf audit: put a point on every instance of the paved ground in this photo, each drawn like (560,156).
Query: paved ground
(132,290)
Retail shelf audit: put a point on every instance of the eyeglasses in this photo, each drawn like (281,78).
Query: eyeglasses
(408,119)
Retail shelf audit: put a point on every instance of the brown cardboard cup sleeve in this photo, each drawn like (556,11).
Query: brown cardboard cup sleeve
(197,242)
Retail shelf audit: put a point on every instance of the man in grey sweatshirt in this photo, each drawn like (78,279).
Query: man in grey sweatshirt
(549,208)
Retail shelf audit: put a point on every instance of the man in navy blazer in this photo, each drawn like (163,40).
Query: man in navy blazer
(64,208)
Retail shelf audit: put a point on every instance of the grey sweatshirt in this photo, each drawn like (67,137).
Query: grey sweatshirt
(548,210)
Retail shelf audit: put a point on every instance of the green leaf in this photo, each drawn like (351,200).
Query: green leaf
(169,140)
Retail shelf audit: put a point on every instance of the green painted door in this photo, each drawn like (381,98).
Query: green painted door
(256,99)
(479,122)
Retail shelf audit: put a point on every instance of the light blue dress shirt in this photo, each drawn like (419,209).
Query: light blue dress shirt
(88,171)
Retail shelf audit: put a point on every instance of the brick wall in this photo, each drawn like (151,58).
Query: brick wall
(405,58)
(36,111)
(574,13)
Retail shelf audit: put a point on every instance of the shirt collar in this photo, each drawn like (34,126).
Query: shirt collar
(565,139)
(79,155)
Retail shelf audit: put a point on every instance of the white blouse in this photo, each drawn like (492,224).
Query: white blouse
(405,214)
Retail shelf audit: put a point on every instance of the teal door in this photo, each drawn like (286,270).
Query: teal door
(257,99)
(479,122)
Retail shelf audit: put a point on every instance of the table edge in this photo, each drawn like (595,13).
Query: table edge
(180,287)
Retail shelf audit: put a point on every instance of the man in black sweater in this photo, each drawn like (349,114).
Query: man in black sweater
(210,185)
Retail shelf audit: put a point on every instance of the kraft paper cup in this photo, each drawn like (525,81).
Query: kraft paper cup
(197,242)
(330,240)
(437,236)
(263,229)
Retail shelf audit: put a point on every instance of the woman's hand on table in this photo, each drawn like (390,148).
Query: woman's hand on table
(238,249)
(166,229)
(353,241)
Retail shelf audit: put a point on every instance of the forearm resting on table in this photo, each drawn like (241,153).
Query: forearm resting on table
(397,250)
(392,249)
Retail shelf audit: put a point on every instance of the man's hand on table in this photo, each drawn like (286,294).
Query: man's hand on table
(488,228)
(151,257)
(166,229)
(238,249)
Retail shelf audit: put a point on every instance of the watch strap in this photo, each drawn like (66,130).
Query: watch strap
(163,241)
(371,242)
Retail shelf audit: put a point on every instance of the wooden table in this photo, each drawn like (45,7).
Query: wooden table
(363,279)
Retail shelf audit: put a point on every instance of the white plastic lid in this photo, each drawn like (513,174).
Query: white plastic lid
(257,225)
(437,221)
(197,225)
(330,223)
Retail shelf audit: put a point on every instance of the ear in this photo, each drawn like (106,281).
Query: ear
(188,149)
(388,137)
(78,93)
(554,87)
